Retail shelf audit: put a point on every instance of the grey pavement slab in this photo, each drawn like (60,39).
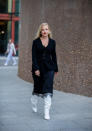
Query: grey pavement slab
(69,112)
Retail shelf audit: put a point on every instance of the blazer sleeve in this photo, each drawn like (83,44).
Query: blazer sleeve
(8,48)
(54,57)
(34,56)
(14,50)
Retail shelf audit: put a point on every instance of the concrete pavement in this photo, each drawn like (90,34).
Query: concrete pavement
(69,112)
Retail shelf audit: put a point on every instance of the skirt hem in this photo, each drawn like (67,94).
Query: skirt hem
(43,95)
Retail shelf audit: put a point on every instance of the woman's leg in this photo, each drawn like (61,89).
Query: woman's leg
(47,106)
(8,59)
(34,100)
(14,60)
(48,93)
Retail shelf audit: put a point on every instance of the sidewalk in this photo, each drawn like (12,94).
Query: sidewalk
(69,112)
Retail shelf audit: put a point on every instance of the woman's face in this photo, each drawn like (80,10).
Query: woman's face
(45,30)
(10,41)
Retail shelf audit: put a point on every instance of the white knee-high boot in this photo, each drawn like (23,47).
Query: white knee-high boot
(34,100)
(47,105)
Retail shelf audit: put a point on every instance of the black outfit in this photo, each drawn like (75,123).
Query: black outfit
(44,59)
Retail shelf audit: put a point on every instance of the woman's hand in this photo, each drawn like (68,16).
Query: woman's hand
(37,72)
(56,73)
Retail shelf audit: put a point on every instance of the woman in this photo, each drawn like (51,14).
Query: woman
(11,51)
(44,66)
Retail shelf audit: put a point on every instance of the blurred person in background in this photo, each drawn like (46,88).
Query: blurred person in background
(11,51)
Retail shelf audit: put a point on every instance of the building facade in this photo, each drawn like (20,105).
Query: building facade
(71,25)
(9,23)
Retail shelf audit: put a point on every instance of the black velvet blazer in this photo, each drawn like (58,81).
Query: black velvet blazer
(44,57)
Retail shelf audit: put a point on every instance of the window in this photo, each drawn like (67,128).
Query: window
(3,6)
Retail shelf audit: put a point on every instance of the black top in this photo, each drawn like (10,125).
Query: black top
(44,58)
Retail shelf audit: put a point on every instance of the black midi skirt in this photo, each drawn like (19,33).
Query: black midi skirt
(43,84)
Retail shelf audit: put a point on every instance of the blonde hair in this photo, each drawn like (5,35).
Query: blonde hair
(38,34)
